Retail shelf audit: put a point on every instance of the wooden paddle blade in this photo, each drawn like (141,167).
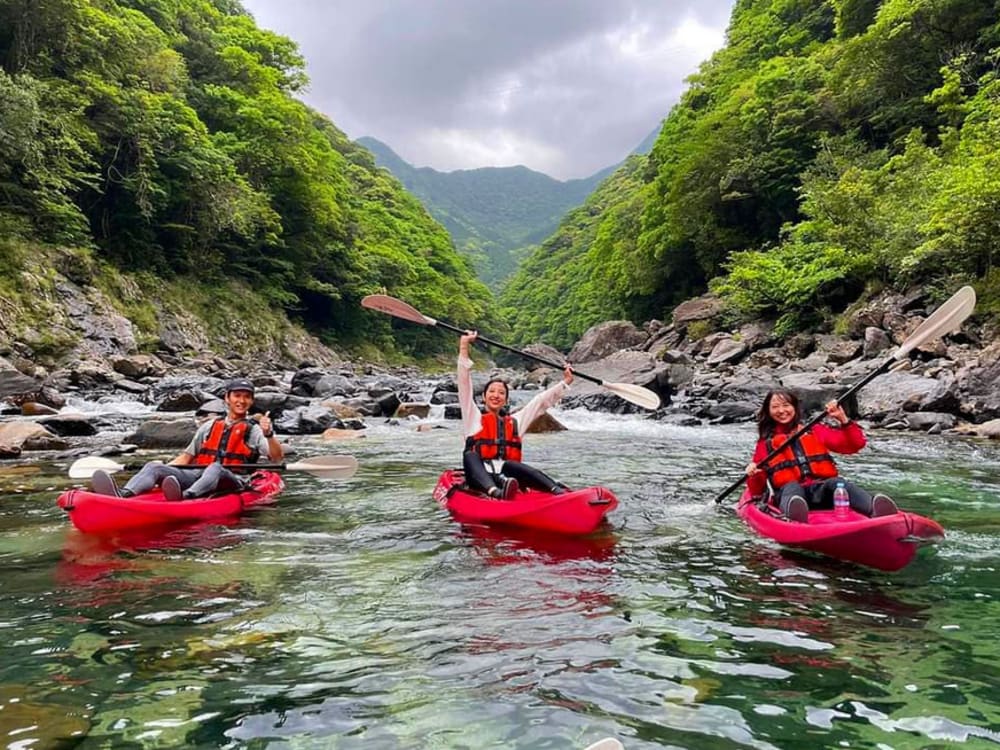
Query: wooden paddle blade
(945,319)
(327,467)
(636,394)
(397,308)
(84,468)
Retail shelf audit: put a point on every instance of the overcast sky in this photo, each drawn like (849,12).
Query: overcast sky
(565,87)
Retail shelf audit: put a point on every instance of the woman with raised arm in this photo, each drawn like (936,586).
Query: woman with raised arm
(492,456)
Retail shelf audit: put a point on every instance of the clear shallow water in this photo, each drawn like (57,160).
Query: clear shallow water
(357,614)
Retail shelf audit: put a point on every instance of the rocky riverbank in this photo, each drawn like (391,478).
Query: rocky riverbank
(703,375)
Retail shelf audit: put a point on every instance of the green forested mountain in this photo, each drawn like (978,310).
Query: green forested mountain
(831,148)
(162,139)
(490,212)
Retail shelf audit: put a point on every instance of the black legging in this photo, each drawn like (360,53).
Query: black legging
(478,477)
(819,495)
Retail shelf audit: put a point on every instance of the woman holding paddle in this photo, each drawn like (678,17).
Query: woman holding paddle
(802,474)
(492,457)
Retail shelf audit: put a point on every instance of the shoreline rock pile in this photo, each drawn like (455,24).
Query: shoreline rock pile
(702,373)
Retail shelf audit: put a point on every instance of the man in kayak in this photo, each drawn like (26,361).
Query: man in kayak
(492,457)
(234,439)
(803,475)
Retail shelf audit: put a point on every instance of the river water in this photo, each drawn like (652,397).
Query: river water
(355,613)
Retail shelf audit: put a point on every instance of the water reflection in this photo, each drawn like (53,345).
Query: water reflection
(503,545)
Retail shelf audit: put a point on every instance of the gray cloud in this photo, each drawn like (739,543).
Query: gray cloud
(563,87)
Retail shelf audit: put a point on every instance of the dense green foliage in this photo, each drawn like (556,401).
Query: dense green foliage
(580,285)
(494,214)
(163,136)
(832,146)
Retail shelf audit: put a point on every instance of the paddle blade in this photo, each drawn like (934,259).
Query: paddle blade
(636,394)
(84,468)
(945,319)
(608,743)
(327,467)
(397,308)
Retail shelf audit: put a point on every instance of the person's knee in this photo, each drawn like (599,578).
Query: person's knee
(213,471)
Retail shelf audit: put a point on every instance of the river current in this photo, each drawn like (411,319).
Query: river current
(357,614)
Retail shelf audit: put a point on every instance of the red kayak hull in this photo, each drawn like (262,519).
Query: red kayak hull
(573,512)
(100,514)
(885,543)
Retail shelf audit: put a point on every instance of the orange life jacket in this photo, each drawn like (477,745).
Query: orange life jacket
(227,444)
(493,442)
(806,458)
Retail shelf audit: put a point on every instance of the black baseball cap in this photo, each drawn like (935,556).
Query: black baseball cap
(239,384)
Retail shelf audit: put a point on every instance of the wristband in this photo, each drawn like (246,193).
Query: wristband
(269,434)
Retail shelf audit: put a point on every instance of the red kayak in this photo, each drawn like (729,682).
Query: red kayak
(573,512)
(96,514)
(885,543)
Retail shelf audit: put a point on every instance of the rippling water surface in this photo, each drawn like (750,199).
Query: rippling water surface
(357,614)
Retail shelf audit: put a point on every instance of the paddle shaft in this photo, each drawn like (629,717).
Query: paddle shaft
(884,367)
(231,467)
(527,355)
(397,308)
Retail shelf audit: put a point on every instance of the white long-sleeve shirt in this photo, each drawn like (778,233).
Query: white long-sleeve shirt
(472,418)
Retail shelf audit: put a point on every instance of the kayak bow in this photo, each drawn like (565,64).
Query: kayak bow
(886,543)
(572,512)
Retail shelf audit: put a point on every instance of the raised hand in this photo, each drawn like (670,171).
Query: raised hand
(463,342)
(836,411)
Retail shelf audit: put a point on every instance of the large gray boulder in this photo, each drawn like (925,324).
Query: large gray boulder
(137,366)
(635,367)
(28,436)
(989,429)
(979,385)
(544,351)
(16,385)
(705,307)
(545,422)
(896,392)
(605,339)
(728,351)
(157,433)
(876,342)
(928,420)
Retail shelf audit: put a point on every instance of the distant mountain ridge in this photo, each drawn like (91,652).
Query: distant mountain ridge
(494,214)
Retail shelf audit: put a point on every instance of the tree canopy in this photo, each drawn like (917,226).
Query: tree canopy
(165,136)
(832,146)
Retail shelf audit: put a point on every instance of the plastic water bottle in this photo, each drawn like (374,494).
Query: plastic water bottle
(841,501)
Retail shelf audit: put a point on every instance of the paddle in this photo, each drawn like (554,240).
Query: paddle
(324,467)
(947,318)
(390,305)
(608,743)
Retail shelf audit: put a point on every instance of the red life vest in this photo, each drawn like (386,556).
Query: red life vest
(493,442)
(806,458)
(227,444)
